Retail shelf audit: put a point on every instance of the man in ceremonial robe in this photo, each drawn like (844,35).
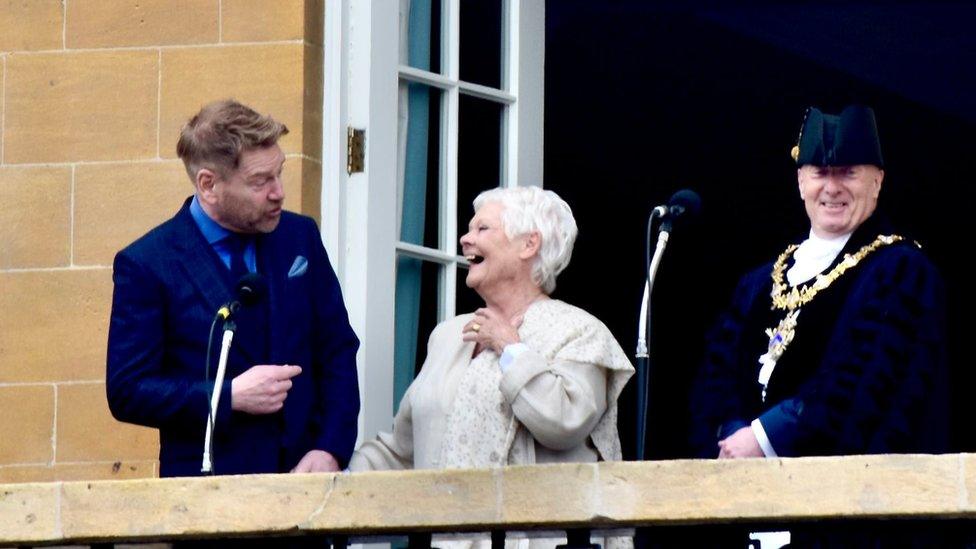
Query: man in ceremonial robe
(838,346)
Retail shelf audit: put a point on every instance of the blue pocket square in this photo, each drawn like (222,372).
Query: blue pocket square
(298,267)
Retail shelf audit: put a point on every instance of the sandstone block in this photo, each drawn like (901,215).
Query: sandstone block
(530,498)
(35,215)
(262,21)
(314,22)
(30,513)
(190,506)
(28,423)
(54,325)
(88,432)
(3,70)
(110,23)
(463,497)
(268,78)
(94,105)
(312,189)
(33,25)
(293,176)
(102,470)
(117,203)
(314,90)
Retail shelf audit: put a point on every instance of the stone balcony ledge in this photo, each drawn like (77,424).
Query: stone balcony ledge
(604,495)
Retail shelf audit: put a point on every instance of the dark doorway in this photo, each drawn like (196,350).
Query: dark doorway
(645,98)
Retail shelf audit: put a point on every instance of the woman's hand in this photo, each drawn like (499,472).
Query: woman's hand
(490,330)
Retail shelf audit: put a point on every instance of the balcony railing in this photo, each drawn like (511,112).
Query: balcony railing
(543,497)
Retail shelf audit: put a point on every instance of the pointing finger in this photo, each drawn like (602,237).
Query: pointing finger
(287,371)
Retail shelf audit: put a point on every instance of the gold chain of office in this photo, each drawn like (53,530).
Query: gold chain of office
(786,299)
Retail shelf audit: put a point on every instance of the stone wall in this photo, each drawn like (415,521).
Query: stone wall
(92,96)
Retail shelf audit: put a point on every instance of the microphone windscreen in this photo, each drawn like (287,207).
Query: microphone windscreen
(687,200)
(251,289)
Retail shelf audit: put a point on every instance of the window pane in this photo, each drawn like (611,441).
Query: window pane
(479,153)
(481,42)
(467,300)
(417,284)
(418,151)
(421,25)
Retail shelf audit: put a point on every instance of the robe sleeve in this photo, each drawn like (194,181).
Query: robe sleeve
(559,401)
(717,406)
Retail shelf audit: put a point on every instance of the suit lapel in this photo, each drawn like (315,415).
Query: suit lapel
(273,264)
(199,261)
(203,269)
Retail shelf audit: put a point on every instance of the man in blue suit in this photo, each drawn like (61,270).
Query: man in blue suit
(290,399)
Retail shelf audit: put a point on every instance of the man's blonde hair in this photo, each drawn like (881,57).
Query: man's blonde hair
(217,135)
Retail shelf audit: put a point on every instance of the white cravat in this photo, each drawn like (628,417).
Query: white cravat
(813,256)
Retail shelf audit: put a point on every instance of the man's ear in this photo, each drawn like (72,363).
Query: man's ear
(530,245)
(877,183)
(799,181)
(205,181)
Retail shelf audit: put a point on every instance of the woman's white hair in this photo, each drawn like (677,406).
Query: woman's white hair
(531,209)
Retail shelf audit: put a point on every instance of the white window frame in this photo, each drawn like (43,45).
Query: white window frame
(362,73)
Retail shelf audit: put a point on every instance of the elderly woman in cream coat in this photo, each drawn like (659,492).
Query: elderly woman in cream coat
(524,379)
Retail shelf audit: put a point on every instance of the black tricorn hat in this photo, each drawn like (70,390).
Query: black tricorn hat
(847,139)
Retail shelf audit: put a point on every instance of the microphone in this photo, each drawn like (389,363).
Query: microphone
(684,203)
(250,289)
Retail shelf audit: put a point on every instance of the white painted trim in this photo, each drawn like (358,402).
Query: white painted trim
(484,92)
(429,254)
(509,158)
(433,79)
(421,76)
(368,240)
(528,46)
(334,121)
(450,61)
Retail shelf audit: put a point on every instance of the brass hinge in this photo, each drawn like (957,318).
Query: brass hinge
(355,150)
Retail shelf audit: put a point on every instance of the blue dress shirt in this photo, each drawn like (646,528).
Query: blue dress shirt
(217,237)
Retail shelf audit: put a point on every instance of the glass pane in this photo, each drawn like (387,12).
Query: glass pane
(420,23)
(481,42)
(417,287)
(418,155)
(466,298)
(479,153)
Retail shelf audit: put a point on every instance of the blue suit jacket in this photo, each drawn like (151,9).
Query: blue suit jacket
(168,286)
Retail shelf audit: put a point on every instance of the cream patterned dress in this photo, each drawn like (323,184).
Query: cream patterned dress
(556,402)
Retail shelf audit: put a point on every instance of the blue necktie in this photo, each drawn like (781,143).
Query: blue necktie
(237,244)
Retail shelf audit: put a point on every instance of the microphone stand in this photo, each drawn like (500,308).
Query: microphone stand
(643,328)
(229,328)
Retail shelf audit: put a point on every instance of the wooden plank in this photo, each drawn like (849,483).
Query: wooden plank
(601,495)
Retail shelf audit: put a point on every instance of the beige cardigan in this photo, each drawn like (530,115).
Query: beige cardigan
(563,392)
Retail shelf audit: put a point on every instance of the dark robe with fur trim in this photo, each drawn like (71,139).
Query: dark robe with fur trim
(865,373)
